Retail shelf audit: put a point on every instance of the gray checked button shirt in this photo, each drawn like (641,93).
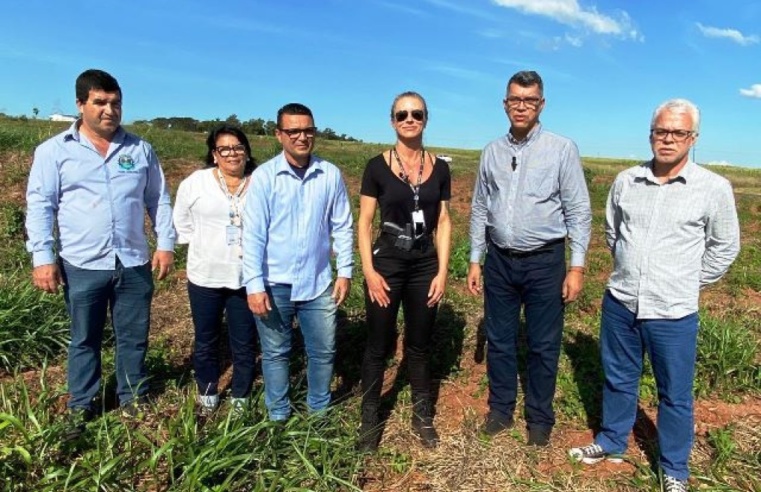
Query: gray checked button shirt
(669,239)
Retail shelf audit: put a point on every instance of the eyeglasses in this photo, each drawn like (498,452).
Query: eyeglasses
(676,135)
(417,115)
(231,150)
(529,102)
(294,133)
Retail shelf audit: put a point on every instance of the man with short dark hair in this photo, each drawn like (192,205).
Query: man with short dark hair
(672,228)
(96,182)
(529,195)
(296,203)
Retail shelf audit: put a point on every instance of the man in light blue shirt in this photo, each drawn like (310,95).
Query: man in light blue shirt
(295,204)
(95,182)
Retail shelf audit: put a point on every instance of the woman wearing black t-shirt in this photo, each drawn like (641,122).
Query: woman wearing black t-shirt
(406,265)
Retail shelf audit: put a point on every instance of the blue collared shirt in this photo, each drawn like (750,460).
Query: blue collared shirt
(542,199)
(99,203)
(288,224)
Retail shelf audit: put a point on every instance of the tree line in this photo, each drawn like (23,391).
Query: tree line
(254,126)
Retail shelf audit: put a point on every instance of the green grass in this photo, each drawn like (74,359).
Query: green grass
(33,325)
(171,451)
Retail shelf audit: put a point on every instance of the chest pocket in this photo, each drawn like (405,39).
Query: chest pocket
(541,182)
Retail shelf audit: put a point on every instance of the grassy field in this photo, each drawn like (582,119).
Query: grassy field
(168,449)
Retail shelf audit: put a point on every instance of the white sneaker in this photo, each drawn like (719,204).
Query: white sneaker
(208,403)
(238,405)
(671,484)
(589,455)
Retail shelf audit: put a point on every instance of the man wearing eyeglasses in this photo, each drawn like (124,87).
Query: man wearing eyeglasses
(296,203)
(672,228)
(88,193)
(530,195)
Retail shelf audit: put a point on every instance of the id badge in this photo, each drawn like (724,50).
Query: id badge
(418,222)
(233,235)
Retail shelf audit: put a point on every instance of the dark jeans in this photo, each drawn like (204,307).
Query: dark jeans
(409,275)
(536,282)
(206,306)
(671,345)
(89,294)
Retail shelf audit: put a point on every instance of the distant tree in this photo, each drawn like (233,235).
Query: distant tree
(328,134)
(233,120)
(269,127)
(35,112)
(254,126)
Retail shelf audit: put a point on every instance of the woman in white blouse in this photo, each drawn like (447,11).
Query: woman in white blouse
(208,217)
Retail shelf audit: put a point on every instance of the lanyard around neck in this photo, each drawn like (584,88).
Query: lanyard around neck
(406,178)
(233,198)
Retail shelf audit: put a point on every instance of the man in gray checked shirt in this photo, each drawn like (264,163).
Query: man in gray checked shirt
(672,228)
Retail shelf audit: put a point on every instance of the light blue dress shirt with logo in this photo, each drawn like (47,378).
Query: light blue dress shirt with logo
(98,203)
(288,223)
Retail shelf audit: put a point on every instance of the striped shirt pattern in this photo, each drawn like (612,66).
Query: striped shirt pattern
(543,198)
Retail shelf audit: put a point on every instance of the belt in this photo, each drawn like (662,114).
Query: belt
(516,253)
(422,242)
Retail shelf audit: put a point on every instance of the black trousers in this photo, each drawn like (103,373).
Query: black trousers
(409,275)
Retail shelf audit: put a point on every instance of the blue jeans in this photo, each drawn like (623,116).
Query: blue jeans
(207,305)
(89,294)
(671,345)
(317,321)
(536,283)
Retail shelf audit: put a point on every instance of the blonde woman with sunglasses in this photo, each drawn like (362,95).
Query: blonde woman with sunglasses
(406,265)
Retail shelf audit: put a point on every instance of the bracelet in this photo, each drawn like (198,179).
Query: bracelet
(577,269)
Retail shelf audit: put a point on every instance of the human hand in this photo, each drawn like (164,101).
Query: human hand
(436,291)
(474,279)
(574,281)
(47,278)
(377,288)
(163,261)
(259,304)
(341,290)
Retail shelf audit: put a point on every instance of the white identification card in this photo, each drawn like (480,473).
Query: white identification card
(233,235)
(418,217)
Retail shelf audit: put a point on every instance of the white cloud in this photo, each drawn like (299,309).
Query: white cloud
(731,34)
(574,41)
(754,91)
(569,12)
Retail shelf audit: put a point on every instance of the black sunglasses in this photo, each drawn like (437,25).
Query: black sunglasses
(417,115)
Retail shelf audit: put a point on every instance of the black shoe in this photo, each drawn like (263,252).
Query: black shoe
(76,420)
(369,436)
(425,430)
(422,424)
(496,423)
(539,436)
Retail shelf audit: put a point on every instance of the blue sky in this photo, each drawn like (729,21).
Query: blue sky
(606,64)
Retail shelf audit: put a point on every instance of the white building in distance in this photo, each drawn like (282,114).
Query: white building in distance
(63,117)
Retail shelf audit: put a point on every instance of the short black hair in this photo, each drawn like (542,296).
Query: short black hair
(526,78)
(291,109)
(211,144)
(94,79)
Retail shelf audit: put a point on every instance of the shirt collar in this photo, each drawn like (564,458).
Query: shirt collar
(315,165)
(684,175)
(72,133)
(532,134)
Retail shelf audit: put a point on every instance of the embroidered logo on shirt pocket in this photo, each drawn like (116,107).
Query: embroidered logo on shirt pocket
(126,163)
